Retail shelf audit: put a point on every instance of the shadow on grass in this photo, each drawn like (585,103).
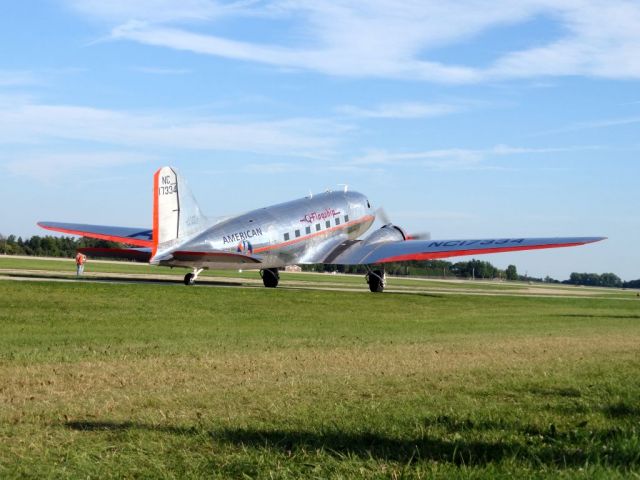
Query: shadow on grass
(527,444)
(596,315)
(413,293)
(97,426)
(622,410)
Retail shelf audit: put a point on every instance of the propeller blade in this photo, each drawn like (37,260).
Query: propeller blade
(419,236)
(382,215)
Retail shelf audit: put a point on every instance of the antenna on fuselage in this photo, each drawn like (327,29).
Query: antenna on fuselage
(346,187)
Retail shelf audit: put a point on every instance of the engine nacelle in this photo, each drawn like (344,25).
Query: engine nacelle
(388,233)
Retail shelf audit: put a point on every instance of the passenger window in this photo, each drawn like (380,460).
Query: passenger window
(346,219)
(308,230)
(337,220)
(328,224)
(286,237)
(297,233)
(317,227)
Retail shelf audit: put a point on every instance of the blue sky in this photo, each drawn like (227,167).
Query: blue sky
(464,119)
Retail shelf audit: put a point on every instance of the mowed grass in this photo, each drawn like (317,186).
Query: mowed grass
(164,381)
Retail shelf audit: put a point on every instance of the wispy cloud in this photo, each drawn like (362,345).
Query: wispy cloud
(458,159)
(34,123)
(152,10)
(596,124)
(162,71)
(16,78)
(383,38)
(326,165)
(50,167)
(377,162)
(407,110)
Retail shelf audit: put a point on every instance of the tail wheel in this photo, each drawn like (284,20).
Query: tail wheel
(189,279)
(270,277)
(375,279)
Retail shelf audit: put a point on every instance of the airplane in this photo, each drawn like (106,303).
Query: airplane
(327,228)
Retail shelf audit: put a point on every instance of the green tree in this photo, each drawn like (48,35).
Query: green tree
(512,272)
(632,284)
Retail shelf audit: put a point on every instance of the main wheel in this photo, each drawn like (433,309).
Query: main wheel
(270,277)
(375,280)
(189,279)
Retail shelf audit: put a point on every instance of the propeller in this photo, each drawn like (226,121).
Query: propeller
(381,214)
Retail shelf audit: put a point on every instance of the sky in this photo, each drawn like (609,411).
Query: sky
(465,119)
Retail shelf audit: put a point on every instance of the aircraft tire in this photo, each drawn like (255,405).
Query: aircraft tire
(374,280)
(189,279)
(270,277)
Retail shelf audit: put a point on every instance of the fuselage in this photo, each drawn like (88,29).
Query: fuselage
(298,231)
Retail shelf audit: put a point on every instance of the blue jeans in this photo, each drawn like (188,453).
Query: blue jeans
(80,270)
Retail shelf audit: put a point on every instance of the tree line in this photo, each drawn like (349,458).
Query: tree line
(49,246)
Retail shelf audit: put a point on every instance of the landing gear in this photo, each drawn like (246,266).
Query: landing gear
(270,277)
(190,278)
(376,280)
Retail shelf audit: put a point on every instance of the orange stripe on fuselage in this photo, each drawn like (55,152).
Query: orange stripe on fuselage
(364,219)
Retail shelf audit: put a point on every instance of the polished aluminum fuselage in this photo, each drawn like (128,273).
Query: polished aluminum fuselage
(296,232)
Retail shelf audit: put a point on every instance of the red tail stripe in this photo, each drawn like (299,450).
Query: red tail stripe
(156,220)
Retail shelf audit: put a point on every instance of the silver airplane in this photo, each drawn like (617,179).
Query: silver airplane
(328,228)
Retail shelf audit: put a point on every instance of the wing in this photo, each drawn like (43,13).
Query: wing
(401,251)
(135,254)
(141,237)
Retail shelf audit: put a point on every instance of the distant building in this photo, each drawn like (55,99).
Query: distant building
(292,268)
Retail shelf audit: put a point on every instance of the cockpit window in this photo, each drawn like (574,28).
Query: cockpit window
(368,204)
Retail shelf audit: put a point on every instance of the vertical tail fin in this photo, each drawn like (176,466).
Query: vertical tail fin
(176,214)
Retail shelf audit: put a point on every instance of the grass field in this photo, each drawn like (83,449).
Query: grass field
(108,380)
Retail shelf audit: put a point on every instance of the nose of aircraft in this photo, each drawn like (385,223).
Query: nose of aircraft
(361,201)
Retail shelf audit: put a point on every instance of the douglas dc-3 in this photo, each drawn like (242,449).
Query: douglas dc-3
(329,228)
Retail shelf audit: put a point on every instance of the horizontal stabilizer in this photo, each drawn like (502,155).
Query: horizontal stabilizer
(134,254)
(141,237)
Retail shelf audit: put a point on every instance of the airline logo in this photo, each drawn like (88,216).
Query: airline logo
(242,236)
(245,247)
(318,216)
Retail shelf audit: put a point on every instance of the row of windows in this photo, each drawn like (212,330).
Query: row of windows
(307,230)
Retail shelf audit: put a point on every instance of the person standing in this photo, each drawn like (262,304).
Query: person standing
(81,259)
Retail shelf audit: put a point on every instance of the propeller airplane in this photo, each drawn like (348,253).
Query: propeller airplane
(328,228)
